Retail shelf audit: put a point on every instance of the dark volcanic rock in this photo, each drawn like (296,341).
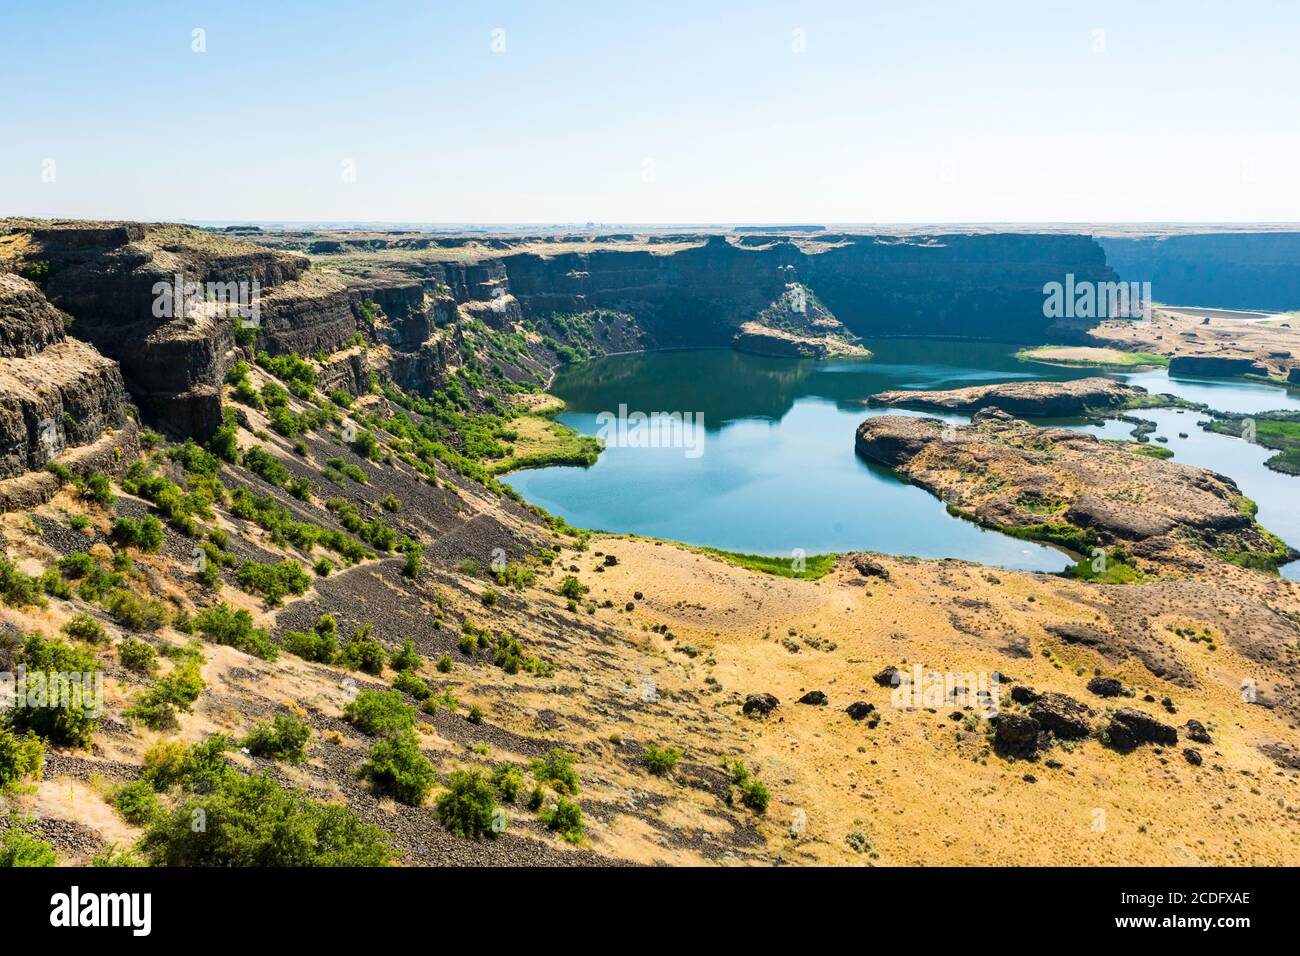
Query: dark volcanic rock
(1106,686)
(814,697)
(1196,731)
(1016,732)
(759,705)
(1062,715)
(1130,727)
(1193,756)
(1023,695)
(888,677)
(869,567)
(859,709)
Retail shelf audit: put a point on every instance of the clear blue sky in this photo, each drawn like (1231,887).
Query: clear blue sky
(626,112)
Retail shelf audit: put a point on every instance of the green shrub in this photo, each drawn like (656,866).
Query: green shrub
(223,625)
(98,490)
(444,664)
(363,652)
(397,767)
(73,723)
(137,656)
(406,657)
(137,802)
(134,613)
(146,534)
(266,466)
(468,807)
(112,856)
(157,707)
(19,848)
(285,738)
(556,768)
(273,581)
(320,645)
(408,683)
(253,821)
(572,588)
(661,760)
(18,589)
(565,818)
(509,780)
(380,712)
(83,627)
(20,756)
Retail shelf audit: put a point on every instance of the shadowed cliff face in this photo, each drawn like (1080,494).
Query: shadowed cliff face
(60,400)
(980,287)
(1226,270)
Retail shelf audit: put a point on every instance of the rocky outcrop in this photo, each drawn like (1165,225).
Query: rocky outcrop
(1061,714)
(1069,488)
(761,340)
(759,705)
(124,284)
(60,400)
(1215,365)
(1022,399)
(1130,728)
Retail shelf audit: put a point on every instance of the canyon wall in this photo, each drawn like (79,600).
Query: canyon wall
(967,286)
(1221,270)
(60,400)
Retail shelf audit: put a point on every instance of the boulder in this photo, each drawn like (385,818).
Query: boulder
(1130,728)
(870,568)
(1017,732)
(814,697)
(889,677)
(759,705)
(1106,686)
(1193,756)
(1196,731)
(1061,714)
(1023,695)
(859,709)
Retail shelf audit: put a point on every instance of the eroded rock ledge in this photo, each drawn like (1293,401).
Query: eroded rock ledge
(762,340)
(1071,489)
(1034,399)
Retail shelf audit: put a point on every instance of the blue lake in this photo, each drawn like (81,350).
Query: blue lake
(776,472)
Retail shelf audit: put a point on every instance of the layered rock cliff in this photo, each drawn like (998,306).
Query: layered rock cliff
(60,400)
(124,285)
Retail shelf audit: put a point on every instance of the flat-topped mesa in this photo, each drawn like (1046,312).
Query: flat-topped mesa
(1033,399)
(1072,489)
(108,277)
(60,400)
